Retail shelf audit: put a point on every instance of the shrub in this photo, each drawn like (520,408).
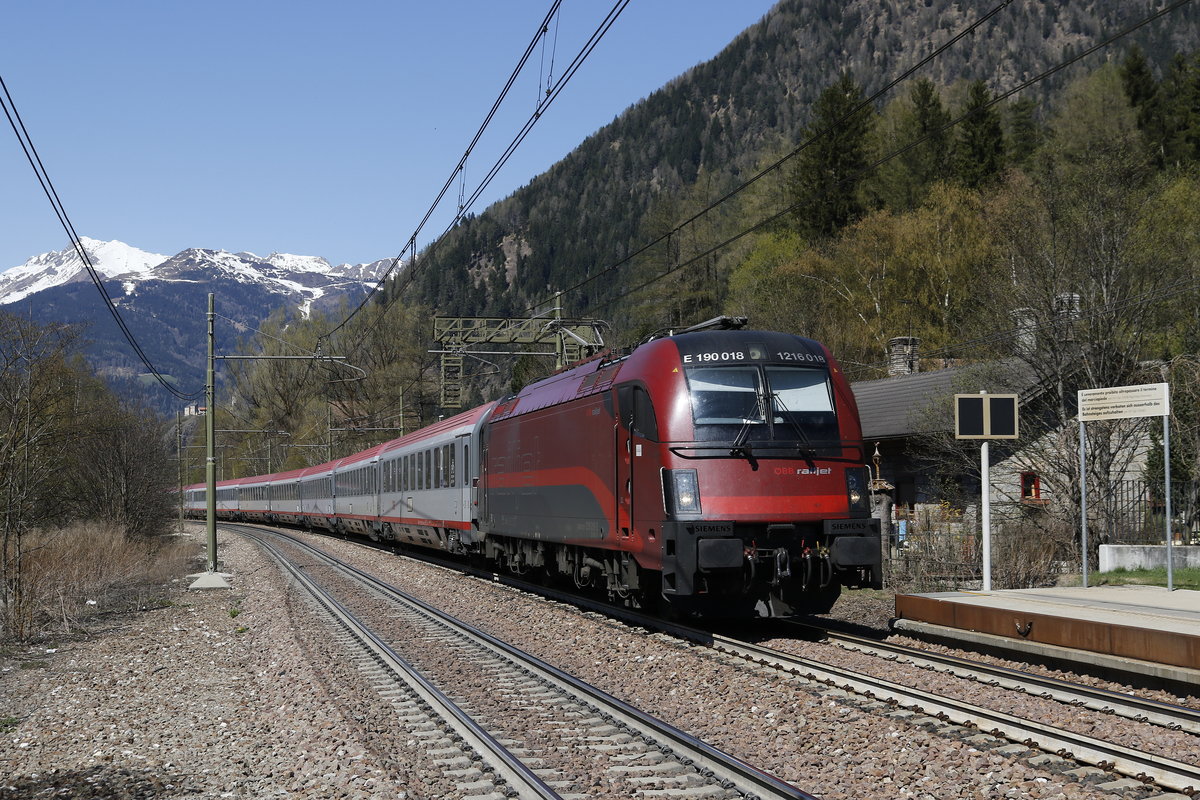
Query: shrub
(72,574)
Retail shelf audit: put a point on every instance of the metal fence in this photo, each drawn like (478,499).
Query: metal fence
(1133,512)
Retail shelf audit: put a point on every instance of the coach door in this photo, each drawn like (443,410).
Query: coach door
(460,476)
(481,487)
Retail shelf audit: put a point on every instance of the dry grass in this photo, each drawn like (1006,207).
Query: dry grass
(72,575)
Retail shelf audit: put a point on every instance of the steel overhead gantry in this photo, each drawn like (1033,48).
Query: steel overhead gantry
(460,336)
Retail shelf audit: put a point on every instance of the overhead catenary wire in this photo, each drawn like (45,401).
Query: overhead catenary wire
(858,109)
(585,51)
(43,177)
(466,203)
(458,171)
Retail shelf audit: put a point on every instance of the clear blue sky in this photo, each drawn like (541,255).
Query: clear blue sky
(320,129)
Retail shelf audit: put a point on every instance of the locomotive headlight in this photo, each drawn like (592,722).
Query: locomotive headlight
(856,488)
(683,489)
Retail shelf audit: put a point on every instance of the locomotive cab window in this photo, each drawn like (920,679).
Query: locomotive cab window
(749,403)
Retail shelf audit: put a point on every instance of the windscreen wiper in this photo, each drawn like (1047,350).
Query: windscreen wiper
(740,448)
(806,448)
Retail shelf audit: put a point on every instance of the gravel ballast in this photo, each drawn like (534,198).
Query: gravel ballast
(239,693)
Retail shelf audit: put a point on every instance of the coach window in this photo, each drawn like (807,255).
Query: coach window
(428,469)
(438,462)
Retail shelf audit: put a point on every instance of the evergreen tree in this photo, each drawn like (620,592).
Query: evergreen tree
(1144,95)
(979,155)
(930,119)
(1180,94)
(1138,79)
(827,174)
(1025,134)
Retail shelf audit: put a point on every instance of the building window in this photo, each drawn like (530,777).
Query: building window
(1031,487)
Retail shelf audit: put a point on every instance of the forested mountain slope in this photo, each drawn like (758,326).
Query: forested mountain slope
(703,134)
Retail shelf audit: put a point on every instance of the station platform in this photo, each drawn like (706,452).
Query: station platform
(1131,630)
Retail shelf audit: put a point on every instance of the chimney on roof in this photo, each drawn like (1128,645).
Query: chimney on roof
(1025,321)
(902,355)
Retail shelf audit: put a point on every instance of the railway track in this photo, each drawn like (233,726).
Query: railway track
(1043,745)
(481,730)
(941,711)
(920,707)
(1139,709)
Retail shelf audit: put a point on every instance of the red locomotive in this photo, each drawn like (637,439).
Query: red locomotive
(718,472)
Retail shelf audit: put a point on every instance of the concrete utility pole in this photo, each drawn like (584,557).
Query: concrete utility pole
(213,579)
(179,462)
(210,579)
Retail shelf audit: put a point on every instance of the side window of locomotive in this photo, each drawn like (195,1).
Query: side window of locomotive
(625,403)
(644,422)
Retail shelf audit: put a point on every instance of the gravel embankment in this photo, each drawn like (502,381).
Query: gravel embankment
(214,696)
(194,701)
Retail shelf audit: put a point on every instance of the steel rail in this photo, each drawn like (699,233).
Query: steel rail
(706,759)
(1168,715)
(1168,773)
(518,776)
(1164,771)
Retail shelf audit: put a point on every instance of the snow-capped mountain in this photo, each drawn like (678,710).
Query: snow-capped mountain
(163,301)
(301,281)
(63,266)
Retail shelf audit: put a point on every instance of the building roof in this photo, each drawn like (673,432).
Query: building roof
(901,405)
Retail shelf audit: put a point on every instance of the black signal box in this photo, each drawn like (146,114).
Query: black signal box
(985,416)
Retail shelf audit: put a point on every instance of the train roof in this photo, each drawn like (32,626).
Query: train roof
(464,421)
(457,424)
(598,373)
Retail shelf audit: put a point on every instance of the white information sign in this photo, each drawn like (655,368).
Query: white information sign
(1124,402)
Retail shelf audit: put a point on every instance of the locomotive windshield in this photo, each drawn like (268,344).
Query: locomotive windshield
(753,403)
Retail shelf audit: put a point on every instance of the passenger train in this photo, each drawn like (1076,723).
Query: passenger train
(716,473)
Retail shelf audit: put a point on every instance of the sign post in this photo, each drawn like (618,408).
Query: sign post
(1126,402)
(985,416)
